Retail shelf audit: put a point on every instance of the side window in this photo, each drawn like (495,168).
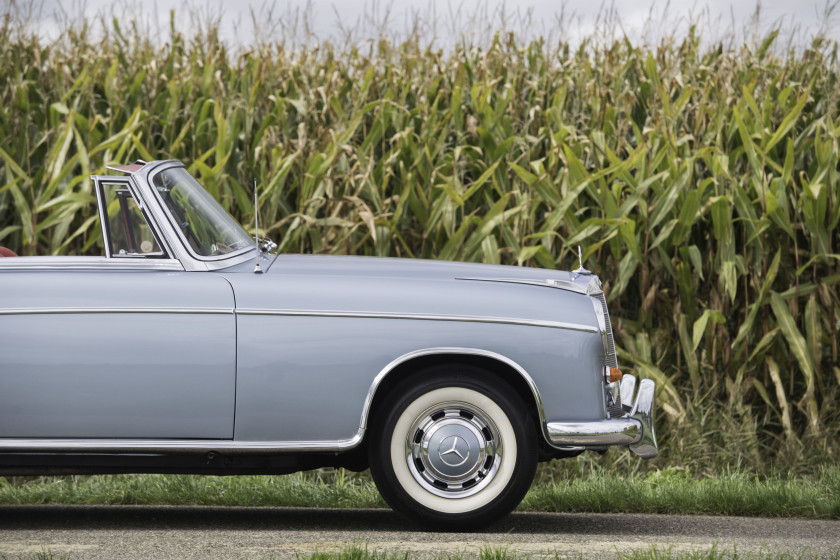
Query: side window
(124,226)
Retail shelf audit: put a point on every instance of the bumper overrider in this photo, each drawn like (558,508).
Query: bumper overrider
(633,430)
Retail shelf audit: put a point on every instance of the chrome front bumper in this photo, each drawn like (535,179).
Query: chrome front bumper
(633,430)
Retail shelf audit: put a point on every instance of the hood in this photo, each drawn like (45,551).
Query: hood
(430,270)
(338,284)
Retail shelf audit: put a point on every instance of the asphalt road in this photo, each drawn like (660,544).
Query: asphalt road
(115,532)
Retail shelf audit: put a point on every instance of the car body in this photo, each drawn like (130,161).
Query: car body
(191,348)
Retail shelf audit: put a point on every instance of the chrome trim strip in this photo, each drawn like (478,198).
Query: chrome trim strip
(546,283)
(419,317)
(589,285)
(111,310)
(231,446)
(456,351)
(89,263)
(175,445)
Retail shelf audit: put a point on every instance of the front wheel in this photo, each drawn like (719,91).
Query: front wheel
(456,451)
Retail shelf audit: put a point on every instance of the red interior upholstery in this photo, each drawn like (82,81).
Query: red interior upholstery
(7,252)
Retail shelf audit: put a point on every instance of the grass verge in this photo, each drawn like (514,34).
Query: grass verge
(359,552)
(668,491)
(319,488)
(43,555)
(676,492)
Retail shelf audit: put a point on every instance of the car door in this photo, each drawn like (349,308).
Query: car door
(125,346)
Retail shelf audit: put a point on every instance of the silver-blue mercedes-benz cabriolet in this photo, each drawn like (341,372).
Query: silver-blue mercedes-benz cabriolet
(189,347)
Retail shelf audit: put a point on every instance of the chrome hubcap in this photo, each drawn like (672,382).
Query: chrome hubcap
(453,449)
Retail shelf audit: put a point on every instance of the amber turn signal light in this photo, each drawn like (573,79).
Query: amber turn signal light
(613,374)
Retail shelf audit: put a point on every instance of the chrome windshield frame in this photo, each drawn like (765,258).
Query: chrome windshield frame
(190,260)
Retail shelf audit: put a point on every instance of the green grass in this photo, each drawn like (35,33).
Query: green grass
(317,489)
(675,492)
(46,554)
(668,491)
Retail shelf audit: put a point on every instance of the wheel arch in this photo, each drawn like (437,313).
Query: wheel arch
(412,363)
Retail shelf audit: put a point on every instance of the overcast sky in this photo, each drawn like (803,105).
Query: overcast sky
(297,20)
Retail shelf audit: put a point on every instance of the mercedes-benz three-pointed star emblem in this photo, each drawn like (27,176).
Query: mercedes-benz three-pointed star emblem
(454,451)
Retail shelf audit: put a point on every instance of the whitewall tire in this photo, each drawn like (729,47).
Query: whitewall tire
(456,449)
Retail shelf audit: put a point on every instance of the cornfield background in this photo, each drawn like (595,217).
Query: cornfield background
(701,181)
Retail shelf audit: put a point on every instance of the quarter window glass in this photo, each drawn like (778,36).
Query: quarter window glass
(129,234)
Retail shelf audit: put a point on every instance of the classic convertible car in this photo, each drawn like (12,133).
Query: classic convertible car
(191,348)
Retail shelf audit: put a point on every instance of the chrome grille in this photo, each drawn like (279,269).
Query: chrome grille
(609,343)
(615,410)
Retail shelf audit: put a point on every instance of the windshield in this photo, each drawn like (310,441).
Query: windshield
(209,230)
